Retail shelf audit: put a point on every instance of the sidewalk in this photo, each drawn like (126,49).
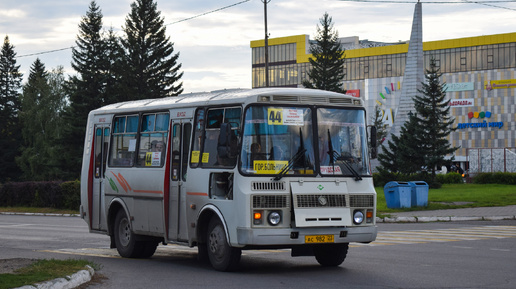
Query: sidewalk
(467,214)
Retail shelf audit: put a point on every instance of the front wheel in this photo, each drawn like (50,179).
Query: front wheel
(222,256)
(330,255)
(125,239)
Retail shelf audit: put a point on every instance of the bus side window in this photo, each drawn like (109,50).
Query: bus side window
(153,140)
(123,145)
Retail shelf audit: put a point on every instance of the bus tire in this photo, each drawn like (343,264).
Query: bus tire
(125,239)
(148,249)
(222,256)
(331,255)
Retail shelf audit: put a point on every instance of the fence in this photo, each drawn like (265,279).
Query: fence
(488,160)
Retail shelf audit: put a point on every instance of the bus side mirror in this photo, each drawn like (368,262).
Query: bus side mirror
(374,144)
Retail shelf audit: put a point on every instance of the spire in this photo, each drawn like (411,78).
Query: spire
(414,73)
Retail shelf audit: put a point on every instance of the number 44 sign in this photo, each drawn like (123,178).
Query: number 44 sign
(285,116)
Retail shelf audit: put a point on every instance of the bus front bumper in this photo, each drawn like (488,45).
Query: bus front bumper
(296,236)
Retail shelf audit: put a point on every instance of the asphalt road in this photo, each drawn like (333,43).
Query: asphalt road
(423,255)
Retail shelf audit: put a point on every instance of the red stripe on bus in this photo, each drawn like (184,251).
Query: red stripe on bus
(166,181)
(90,181)
(197,194)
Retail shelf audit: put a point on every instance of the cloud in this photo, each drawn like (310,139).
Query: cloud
(214,48)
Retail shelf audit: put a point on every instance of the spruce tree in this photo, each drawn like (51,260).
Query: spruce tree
(404,153)
(86,89)
(436,124)
(10,136)
(152,70)
(327,71)
(34,119)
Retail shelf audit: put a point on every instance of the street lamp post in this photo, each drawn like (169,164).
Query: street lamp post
(266,43)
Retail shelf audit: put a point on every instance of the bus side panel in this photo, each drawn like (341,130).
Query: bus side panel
(141,189)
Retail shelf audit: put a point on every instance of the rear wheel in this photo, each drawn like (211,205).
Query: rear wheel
(331,254)
(222,256)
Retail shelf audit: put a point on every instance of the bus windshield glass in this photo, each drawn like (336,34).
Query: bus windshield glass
(342,142)
(278,139)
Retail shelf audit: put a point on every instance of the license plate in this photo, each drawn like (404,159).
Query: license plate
(319,239)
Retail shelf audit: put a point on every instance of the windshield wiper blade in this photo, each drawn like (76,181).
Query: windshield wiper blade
(346,163)
(289,165)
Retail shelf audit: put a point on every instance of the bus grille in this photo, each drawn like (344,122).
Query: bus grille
(361,200)
(267,202)
(313,201)
(268,186)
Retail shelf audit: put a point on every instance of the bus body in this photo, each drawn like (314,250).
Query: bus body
(231,170)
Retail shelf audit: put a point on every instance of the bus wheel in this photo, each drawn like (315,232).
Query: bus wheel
(331,254)
(148,249)
(126,244)
(222,256)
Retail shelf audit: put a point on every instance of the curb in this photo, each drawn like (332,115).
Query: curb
(441,219)
(68,282)
(40,214)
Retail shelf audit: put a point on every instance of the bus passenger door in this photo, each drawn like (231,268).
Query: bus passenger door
(181,132)
(101,146)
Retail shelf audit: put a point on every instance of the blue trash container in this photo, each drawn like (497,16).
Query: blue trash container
(419,192)
(398,194)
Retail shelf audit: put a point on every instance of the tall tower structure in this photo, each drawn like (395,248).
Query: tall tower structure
(414,74)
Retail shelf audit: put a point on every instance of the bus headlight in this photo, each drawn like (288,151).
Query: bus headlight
(358,217)
(274,218)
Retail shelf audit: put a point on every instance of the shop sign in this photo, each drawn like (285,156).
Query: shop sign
(498,84)
(353,92)
(466,102)
(459,86)
(483,124)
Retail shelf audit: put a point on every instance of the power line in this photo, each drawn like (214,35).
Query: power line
(186,19)
(206,13)
(429,2)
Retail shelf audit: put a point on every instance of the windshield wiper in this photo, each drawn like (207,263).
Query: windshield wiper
(289,165)
(336,156)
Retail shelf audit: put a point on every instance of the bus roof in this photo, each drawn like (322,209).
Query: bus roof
(230,96)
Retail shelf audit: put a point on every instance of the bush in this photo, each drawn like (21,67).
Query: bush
(71,192)
(58,195)
(449,178)
(383,177)
(495,178)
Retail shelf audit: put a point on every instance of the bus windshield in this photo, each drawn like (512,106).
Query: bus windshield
(276,137)
(280,140)
(342,142)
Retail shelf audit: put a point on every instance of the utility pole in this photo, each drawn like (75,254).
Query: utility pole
(266,43)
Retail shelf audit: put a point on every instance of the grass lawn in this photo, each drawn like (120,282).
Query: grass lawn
(452,196)
(42,270)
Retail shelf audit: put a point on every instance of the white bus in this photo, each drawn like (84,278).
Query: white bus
(229,171)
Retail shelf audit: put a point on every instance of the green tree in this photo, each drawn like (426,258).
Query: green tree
(10,136)
(381,127)
(404,153)
(42,105)
(327,71)
(152,69)
(433,112)
(86,90)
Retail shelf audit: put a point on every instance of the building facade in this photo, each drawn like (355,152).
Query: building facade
(479,73)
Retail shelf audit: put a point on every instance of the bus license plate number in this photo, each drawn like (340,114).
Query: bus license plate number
(319,239)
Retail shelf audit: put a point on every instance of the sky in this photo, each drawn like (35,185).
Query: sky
(214,49)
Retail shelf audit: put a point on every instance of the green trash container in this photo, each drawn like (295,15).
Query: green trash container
(419,193)
(398,194)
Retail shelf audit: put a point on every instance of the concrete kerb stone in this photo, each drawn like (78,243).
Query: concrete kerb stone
(69,282)
(416,219)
